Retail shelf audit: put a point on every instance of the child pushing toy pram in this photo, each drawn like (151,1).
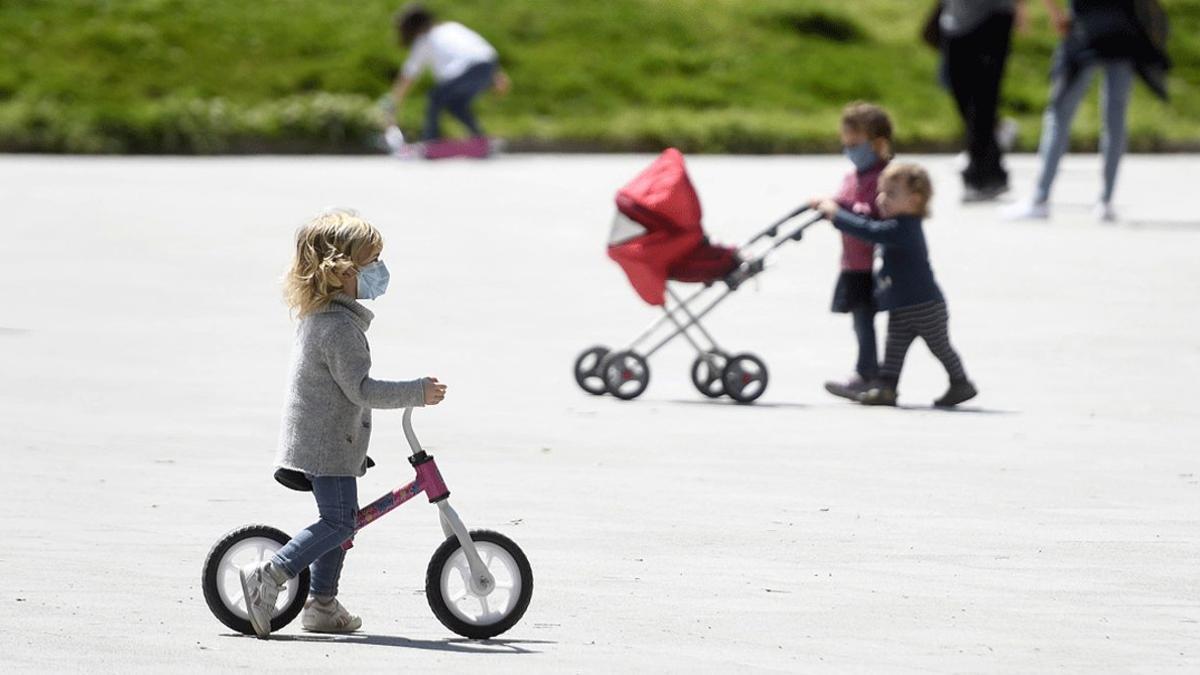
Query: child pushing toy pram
(904,285)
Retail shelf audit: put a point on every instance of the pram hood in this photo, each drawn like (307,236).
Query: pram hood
(657,230)
(661,197)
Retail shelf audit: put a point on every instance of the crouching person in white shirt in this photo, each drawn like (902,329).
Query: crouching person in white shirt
(463,64)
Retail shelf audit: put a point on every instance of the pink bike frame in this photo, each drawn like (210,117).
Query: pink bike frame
(428,480)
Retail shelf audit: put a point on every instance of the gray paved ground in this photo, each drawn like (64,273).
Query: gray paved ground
(1052,525)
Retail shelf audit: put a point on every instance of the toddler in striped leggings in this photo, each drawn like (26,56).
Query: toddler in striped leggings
(904,285)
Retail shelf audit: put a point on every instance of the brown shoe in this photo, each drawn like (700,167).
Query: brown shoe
(878,394)
(850,389)
(960,391)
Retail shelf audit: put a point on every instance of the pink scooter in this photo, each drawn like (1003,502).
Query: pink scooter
(478,147)
(478,583)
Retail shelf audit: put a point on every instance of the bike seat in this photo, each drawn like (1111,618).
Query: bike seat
(297,480)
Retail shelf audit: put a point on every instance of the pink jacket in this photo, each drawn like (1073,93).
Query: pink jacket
(857,194)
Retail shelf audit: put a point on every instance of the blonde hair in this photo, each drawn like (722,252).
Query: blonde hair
(326,248)
(914,180)
(869,119)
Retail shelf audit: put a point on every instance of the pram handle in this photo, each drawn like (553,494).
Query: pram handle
(773,229)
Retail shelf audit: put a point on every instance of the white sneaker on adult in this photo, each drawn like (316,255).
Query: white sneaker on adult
(328,617)
(1105,213)
(1028,210)
(260,590)
(1006,133)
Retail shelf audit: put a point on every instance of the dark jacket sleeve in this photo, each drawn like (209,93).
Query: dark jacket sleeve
(886,232)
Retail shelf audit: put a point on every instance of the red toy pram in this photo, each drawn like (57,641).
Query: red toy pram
(657,237)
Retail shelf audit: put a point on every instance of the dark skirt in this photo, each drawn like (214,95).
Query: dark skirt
(853,290)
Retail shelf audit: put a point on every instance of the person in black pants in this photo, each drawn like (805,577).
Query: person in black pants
(976,37)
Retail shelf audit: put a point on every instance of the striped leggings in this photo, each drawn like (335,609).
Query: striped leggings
(927,321)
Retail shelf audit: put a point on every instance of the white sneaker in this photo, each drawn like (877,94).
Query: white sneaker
(328,617)
(1006,133)
(1105,213)
(1029,210)
(260,590)
(394,138)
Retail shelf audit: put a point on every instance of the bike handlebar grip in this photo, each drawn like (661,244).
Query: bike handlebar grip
(409,433)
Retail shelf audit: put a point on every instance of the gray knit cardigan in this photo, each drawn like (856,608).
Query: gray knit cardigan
(327,411)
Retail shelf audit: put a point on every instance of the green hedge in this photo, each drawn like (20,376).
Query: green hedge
(312,123)
(757,76)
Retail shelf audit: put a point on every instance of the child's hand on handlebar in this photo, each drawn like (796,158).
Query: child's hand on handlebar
(825,205)
(434,391)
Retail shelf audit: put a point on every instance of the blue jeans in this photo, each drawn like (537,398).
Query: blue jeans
(456,96)
(320,544)
(1065,97)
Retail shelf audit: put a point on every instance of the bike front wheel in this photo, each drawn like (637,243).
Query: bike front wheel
(459,605)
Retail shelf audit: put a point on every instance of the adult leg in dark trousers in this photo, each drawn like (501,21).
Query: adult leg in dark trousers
(975,65)
(456,96)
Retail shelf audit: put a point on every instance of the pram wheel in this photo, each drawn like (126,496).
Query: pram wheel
(707,371)
(626,375)
(745,377)
(588,370)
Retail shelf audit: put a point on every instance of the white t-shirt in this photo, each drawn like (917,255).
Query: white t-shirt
(448,49)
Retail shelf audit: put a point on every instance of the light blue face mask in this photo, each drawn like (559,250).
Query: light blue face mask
(373,280)
(862,155)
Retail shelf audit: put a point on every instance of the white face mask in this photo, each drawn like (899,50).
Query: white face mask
(373,280)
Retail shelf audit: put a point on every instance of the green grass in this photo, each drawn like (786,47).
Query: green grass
(182,76)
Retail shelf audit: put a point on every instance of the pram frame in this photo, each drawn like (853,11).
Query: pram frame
(750,268)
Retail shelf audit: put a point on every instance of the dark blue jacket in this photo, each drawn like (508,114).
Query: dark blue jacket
(906,278)
(1134,30)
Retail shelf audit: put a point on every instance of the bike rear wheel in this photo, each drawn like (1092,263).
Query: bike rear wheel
(223,588)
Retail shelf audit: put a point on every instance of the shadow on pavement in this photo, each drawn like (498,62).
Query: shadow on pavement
(963,409)
(1160,224)
(734,404)
(460,645)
